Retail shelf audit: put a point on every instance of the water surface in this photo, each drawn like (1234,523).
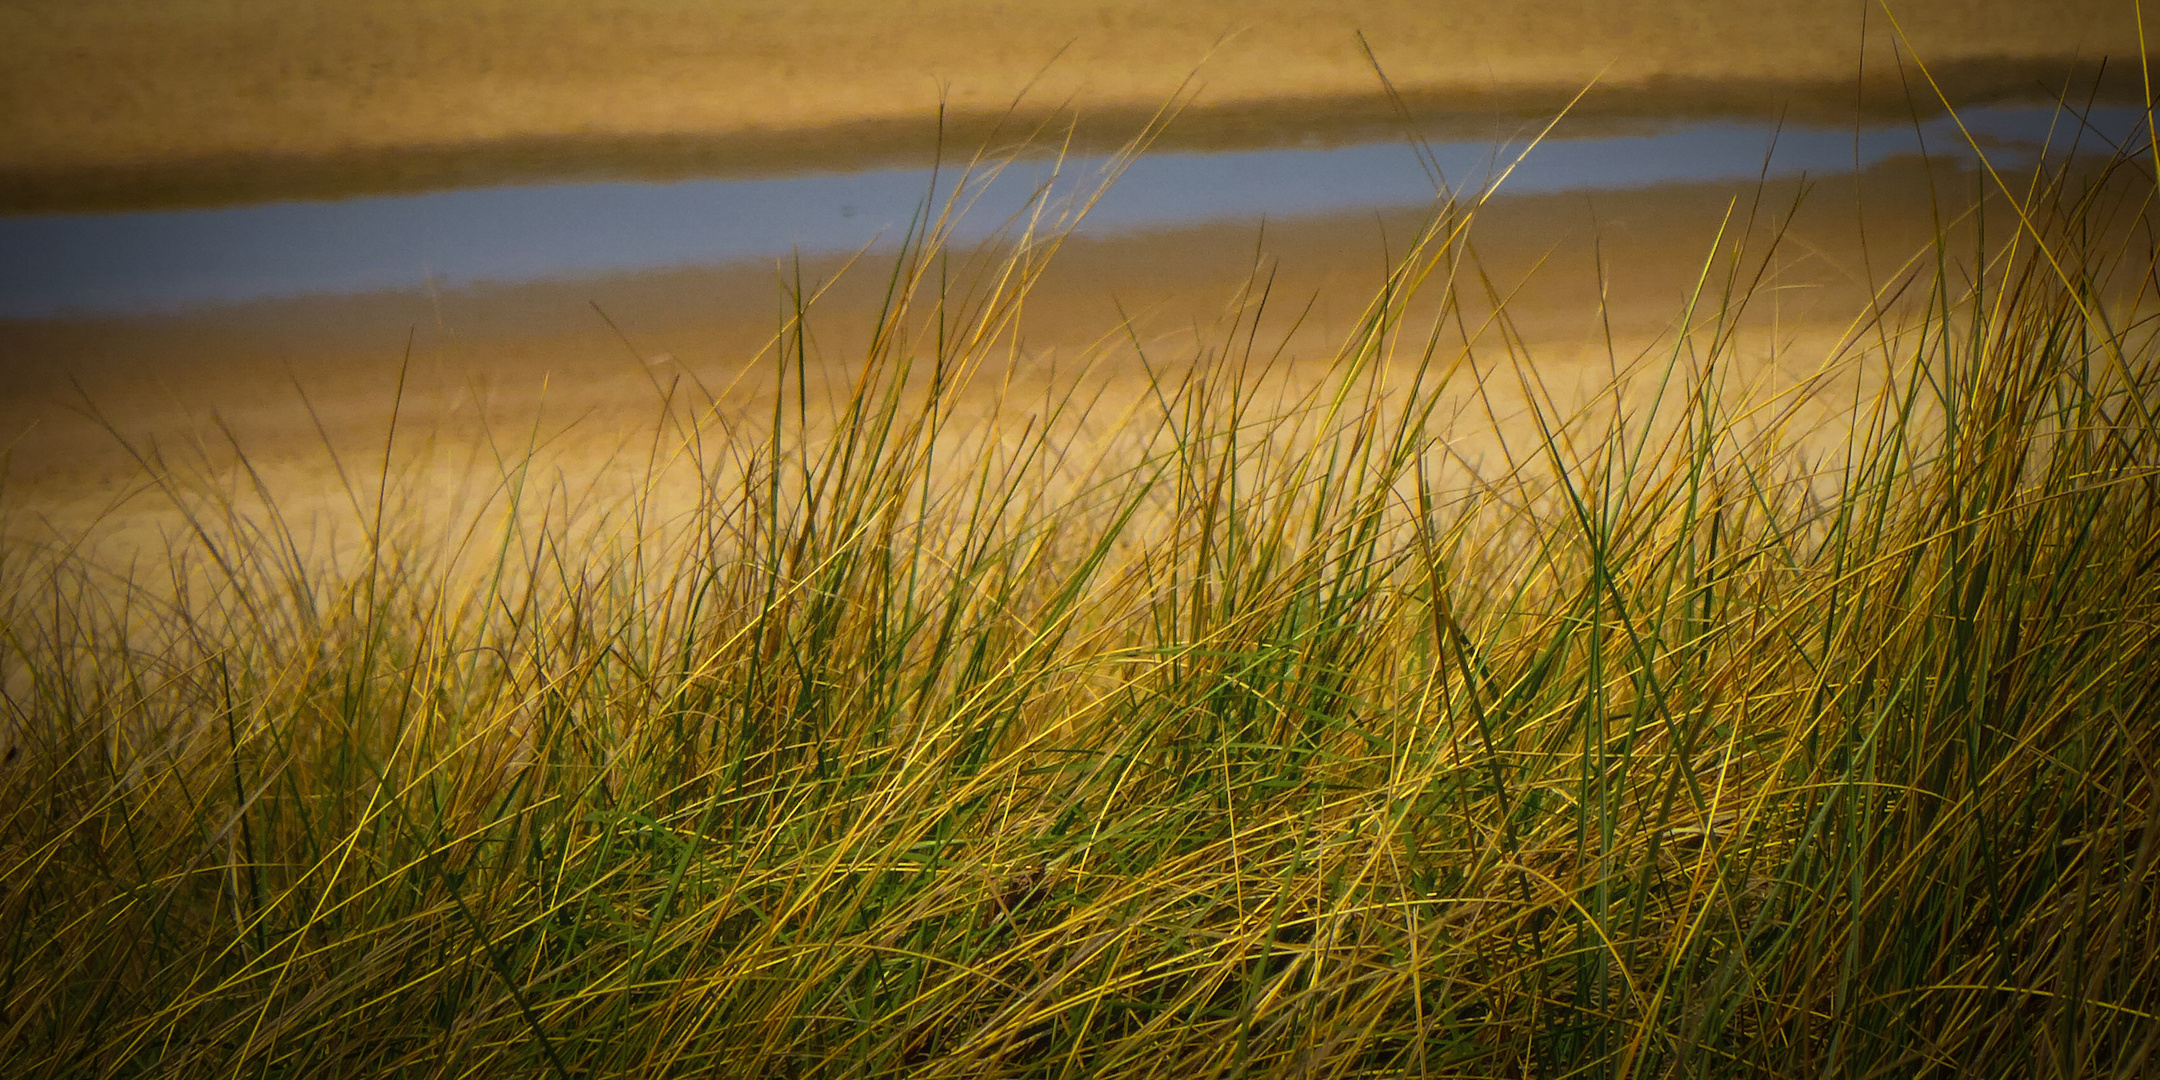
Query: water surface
(118,263)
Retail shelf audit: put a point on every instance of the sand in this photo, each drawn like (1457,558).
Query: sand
(162,102)
(305,389)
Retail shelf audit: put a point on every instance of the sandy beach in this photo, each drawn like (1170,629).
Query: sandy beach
(132,103)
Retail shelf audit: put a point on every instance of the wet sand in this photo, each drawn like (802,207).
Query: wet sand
(1591,283)
(107,103)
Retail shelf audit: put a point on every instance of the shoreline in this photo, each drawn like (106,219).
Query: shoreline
(1463,114)
(497,357)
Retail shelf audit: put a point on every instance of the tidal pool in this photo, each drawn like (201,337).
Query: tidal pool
(146,262)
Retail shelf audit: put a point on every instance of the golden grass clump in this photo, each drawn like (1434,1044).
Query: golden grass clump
(1225,721)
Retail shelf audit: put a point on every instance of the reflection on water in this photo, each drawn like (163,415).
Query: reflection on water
(158,261)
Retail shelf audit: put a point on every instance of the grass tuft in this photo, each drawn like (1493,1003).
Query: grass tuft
(1410,716)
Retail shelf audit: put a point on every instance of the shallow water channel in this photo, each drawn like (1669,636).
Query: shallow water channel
(139,262)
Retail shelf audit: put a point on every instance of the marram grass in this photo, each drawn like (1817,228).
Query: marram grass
(1245,725)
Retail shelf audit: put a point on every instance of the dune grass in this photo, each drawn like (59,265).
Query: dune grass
(1248,724)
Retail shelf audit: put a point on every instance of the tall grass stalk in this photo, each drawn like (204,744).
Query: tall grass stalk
(1409,718)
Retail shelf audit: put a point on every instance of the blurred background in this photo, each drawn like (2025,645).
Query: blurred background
(205,207)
